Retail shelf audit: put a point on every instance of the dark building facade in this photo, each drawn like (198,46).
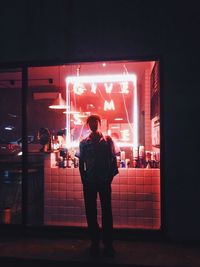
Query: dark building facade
(52,32)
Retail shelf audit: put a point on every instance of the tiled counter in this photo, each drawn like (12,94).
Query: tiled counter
(135,198)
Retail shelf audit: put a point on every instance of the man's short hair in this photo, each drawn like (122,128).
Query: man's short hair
(93,118)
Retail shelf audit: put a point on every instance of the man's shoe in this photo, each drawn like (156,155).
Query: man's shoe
(94,250)
(109,251)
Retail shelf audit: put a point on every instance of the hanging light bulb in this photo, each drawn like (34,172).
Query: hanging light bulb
(58,103)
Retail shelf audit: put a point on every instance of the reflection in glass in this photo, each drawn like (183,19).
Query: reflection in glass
(10,146)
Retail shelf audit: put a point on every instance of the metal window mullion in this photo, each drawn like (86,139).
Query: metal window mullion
(24,146)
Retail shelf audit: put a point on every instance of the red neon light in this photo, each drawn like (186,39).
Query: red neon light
(93,88)
(109,105)
(108,88)
(124,88)
(79,88)
(116,83)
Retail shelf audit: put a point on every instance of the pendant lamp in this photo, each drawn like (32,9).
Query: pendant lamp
(58,103)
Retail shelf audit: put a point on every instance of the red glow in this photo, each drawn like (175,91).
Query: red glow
(108,88)
(79,88)
(109,105)
(108,95)
(125,135)
(124,88)
(93,88)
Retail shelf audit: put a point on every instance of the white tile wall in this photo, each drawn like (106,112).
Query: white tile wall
(135,198)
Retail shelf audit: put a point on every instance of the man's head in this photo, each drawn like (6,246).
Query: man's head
(93,121)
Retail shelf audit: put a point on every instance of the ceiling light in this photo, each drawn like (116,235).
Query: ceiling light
(59,102)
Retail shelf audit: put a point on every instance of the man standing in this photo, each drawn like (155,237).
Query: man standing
(97,165)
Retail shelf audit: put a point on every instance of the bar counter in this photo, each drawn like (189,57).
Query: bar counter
(135,197)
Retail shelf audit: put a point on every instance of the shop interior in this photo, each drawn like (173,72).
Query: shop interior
(59,98)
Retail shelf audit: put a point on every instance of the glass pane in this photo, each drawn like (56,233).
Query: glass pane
(126,96)
(10,146)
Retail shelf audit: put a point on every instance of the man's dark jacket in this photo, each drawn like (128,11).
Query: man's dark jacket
(97,160)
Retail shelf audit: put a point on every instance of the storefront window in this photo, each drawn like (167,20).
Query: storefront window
(10,146)
(126,96)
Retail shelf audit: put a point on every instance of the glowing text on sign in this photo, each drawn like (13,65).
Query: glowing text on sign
(112,95)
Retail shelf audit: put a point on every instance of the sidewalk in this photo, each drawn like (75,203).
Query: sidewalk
(74,252)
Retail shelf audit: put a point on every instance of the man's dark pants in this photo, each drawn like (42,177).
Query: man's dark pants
(90,196)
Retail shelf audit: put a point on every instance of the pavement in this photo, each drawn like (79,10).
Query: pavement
(74,251)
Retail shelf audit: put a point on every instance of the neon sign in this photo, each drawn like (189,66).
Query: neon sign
(111,85)
(80,88)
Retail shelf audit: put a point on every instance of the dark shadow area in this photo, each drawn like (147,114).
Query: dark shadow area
(75,252)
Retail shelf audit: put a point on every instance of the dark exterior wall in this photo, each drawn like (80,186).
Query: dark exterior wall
(37,31)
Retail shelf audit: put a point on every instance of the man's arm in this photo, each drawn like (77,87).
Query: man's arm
(114,168)
(81,161)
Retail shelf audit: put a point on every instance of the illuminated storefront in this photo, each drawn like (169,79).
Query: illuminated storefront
(121,100)
(126,95)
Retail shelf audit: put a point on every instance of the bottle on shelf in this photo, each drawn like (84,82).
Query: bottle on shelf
(127,163)
(64,162)
(76,162)
(69,161)
(54,142)
(122,164)
(157,159)
(135,158)
(122,159)
(148,159)
(153,159)
(118,161)
(122,155)
(141,160)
